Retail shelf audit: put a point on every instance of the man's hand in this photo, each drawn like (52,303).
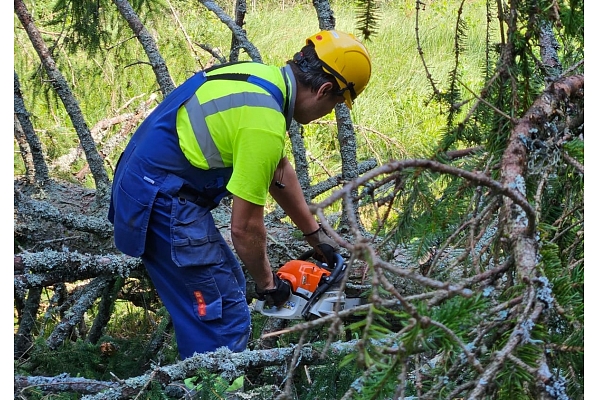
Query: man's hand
(325,247)
(277,296)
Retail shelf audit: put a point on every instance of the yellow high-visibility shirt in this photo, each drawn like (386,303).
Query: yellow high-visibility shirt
(239,124)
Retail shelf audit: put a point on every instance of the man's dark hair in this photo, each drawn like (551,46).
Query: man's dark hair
(309,71)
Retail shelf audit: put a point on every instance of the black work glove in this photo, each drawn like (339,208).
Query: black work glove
(277,296)
(325,247)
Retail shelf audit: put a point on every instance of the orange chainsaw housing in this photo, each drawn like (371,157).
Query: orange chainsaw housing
(302,275)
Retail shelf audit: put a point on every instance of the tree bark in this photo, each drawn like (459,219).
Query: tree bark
(24,339)
(92,291)
(519,230)
(346,135)
(347,140)
(33,153)
(25,151)
(26,206)
(549,51)
(49,267)
(240,13)
(238,32)
(300,162)
(105,309)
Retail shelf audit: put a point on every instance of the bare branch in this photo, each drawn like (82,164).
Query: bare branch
(238,32)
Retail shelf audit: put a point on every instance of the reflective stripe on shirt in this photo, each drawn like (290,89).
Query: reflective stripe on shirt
(198,113)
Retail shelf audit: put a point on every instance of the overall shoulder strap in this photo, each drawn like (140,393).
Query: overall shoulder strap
(270,87)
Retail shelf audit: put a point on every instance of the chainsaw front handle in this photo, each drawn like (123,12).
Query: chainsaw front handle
(306,255)
(339,268)
(310,254)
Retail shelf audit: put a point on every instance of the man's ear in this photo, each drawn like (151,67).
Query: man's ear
(324,90)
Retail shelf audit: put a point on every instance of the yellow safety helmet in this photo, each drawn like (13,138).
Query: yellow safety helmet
(344,57)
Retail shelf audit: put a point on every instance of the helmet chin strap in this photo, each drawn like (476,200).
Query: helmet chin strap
(349,86)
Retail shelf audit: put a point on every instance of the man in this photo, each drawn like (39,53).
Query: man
(222,132)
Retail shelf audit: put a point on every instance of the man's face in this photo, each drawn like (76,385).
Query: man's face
(318,105)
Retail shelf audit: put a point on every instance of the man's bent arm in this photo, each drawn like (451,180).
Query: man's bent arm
(248,231)
(291,198)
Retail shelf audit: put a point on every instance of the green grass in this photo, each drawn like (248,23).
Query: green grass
(391,120)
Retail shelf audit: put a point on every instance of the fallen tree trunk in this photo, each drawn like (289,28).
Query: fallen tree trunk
(230,365)
(49,267)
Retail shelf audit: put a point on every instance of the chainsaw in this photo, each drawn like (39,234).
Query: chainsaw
(315,290)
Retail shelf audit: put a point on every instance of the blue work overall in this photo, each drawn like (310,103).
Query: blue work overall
(160,208)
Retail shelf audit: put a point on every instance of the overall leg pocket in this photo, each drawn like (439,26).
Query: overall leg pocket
(206,299)
(195,239)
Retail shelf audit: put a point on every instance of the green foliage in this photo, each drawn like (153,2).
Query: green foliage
(88,25)
(86,360)
(458,314)
(566,328)
(207,385)
(82,21)
(122,350)
(384,354)
(329,381)
(575,149)
(432,206)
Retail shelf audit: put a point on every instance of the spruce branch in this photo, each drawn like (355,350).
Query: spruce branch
(156,61)
(71,105)
(29,207)
(49,267)
(437,94)
(531,313)
(31,146)
(474,177)
(367,17)
(240,14)
(73,317)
